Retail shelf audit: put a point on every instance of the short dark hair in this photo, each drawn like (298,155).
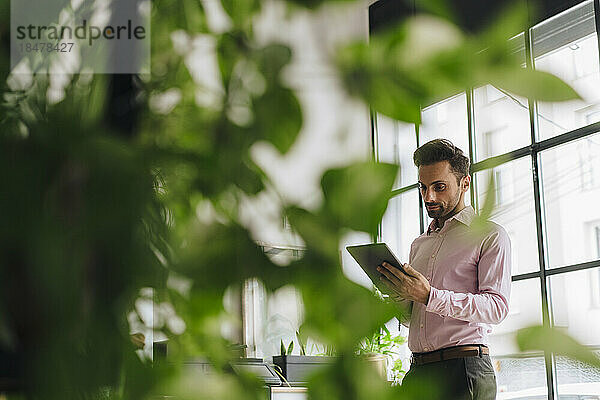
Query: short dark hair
(443,150)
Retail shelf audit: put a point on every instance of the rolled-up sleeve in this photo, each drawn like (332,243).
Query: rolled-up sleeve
(490,304)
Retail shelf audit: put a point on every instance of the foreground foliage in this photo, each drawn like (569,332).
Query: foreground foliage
(94,214)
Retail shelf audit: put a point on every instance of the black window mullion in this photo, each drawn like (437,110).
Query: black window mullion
(597,20)
(375,158)
(421,209)
(472,144)
(404,189)
(374,137)
(537,193)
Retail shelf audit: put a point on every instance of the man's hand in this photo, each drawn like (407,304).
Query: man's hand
(414,287)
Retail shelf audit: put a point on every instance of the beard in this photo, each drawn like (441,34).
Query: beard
(443,210)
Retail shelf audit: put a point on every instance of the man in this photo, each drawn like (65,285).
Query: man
(458,281)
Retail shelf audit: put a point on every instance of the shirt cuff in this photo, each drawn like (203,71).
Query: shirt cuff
(434,300)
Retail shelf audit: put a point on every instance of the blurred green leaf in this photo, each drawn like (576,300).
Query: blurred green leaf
(231,48)
(94,221)
(388,94)
(555,341)
(357,195)
(357,312)
(512,20)
(537,85)
(278,117)
(383,86)
(271,60)
(440,8)
(313,4)
(241,12)
(319,234)
(302,340)
(221,255)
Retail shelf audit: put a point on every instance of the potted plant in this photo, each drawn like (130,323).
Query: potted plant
(380,349)
(296,368)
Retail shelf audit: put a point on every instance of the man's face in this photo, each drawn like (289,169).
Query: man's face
(440,190)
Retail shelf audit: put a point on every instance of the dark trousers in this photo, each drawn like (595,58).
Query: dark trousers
(469,378)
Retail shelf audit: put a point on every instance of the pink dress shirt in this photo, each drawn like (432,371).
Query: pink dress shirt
(469,271)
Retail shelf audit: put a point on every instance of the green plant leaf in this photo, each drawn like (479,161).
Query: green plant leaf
(230,49)
(313,4)
(212,252)
(357,196)
(282,348)
(556,341)
(387,94)
(271,60)
(321,236)
(510,21)
(358,313)
(290,348)
(437,7)
(278,117)
(302,340)
(383,85)
(537,85)
(241,12)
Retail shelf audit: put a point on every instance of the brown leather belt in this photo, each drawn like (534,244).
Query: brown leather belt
(450,353)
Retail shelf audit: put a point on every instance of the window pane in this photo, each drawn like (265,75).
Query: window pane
(396,143)
(501,118)
(567,46)
(400,225)
(571,186)
(514,210)
(447,119)
(519,373)
(576,309)
(501,122)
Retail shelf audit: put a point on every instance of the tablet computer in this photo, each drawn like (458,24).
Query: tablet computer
(370,256)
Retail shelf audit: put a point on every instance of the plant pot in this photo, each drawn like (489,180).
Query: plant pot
(297,369)
(378,362)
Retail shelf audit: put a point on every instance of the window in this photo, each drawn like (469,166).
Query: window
(396,143)
(567,46)
(571,304)
(447,119)
(597,240)
(495,121)
(400,225)
(515,371)
(500,115)
(589,163)
(270,318)
(595,274)
(570,198)
(515,208)
(592,117)
(546,197)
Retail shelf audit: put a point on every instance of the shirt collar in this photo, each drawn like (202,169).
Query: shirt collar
(465,216)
